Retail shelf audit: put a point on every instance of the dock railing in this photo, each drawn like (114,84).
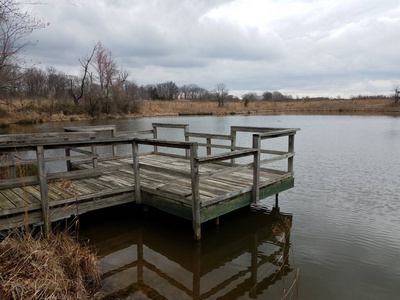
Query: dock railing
(195,163)
(38,148)
(79,139)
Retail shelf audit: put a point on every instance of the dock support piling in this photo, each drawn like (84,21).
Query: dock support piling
(195,178)
(43,190)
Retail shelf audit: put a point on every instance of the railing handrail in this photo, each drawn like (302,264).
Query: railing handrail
(257,129)
(209,135)
(170,125)
(226,155)
(28,137)
(96,128)
(278,133)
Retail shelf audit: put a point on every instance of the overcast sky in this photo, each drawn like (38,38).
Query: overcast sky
(298,47)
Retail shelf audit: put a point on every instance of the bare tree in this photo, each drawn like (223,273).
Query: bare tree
(396,89)
(246,98)
(221,92)
(15,26)
(267,96)
(85,62)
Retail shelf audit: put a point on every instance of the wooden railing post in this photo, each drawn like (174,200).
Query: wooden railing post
(256,168)
(185,131)
(290,149)
(68,154)
(155,137)
(195,180)
(114,135)
(94,159)
(208,142)
(233,142)
(43,190)
(136,171)
(12,169)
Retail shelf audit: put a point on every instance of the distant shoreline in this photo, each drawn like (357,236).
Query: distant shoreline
(156,108)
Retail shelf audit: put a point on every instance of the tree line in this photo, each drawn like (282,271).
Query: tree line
(103,87)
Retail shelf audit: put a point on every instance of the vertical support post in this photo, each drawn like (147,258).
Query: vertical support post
(233,142)
(114,135)
(94,159)
(195,180)
(12,168)
(208,142)
(155,137)
(68,154)
(256,168)
(277,200)
(43,190)
(185,131)
(136,171)
(291,149)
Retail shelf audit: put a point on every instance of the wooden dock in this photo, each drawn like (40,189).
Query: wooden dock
(94,174)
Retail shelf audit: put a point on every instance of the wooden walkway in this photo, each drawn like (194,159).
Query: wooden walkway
(197,188)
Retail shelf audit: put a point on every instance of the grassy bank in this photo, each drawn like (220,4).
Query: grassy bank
(28,112)
(57,267)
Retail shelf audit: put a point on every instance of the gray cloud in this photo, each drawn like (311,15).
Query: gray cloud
(303,47)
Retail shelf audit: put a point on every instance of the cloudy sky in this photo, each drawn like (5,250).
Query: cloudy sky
(298,47)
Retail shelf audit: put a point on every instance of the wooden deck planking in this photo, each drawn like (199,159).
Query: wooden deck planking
(5,203)
(212,187)
(25,195)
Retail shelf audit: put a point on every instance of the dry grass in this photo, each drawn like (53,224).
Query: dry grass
(184,107)
(57,267)
(23,111)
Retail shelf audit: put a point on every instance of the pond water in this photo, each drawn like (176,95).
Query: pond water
(344,216)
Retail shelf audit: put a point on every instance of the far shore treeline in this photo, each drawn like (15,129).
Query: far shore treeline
(104,88)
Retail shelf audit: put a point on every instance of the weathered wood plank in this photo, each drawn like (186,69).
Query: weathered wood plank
(169,125)
(164,143)
(225,155)
(5,203)
(209,135)
(14,198)
(25,195)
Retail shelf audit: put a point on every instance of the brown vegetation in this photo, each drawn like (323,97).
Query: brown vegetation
(28,111)
(57,267)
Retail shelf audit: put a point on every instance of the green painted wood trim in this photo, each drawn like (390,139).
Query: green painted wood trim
(214,211)
(168,206)
(276,188)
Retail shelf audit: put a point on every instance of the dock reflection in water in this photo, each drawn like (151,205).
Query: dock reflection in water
(153,255)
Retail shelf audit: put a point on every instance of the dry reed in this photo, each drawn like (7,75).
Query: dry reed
(57,267)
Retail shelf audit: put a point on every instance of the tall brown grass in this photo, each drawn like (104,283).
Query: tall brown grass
(57,267)
(25,112)
(53,267)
